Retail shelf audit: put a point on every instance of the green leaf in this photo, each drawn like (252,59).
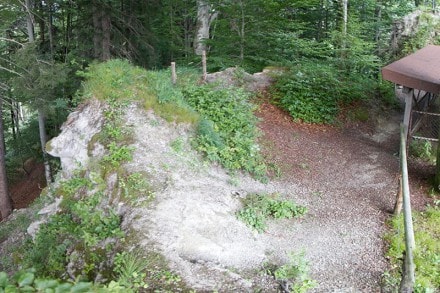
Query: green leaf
(45,284)
(3,279)
(25,279)
(81,287)
(63,288)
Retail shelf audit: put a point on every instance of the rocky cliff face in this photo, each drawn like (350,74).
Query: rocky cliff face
(74,146)
(410,25)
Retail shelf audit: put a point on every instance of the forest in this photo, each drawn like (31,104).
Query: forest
(331,53)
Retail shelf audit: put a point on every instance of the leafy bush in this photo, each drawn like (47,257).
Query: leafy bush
(228,133)
(257,208)
(295,275)
(26,281)
(82,224)
(426,254)
(312,92)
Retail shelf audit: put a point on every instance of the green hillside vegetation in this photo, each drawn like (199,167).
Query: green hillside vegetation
(426,253)
(87,232)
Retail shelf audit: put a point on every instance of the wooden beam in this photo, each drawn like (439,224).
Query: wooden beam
(408,93)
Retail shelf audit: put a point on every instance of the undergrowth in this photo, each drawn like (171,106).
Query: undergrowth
(258,208)
(227,133)
(84,240)
(27,281)
(426,253)
(294,275)
(312,92)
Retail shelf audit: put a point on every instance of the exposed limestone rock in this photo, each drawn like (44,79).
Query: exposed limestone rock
(235,76)
(46,212)
(407,27)
(73,146)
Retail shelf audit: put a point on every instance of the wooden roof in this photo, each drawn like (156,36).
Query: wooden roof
(420,70)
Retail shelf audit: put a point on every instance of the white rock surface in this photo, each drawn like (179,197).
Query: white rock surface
(72,147)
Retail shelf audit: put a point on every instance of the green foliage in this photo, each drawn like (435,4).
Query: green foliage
(115,79)
(423,149)
(426,254)
(258,208)
(40,81)
(228,131)
(295,275)
(135,189)
(83,224)
(118,154)
(130,268)
(167,101)
(26,281)
(427,33)
(177,145)
(312,91)
(118,80)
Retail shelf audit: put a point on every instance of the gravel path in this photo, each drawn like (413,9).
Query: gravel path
(350,183)
(347,180)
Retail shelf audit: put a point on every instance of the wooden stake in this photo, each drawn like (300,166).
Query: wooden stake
(205,71)
(173,73)
(399,198)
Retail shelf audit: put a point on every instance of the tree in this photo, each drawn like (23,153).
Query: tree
(205,16)
(5,199)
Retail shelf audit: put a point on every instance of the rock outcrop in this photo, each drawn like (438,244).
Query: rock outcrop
(74,147)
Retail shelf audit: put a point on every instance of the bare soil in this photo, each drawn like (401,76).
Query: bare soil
(29,185)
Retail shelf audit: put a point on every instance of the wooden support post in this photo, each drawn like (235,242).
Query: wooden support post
(173,73)
(399,198)
(408,92)
(205,71)
(408,278)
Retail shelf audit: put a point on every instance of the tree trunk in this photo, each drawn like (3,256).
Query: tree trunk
(106,35)
(50,22)
(204,20)
(242,31)
(43,141)
(5,199)
(30,21)
(97,30)
(13,120)
(344,17)
(41,122)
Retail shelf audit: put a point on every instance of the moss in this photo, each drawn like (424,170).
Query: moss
(48,147)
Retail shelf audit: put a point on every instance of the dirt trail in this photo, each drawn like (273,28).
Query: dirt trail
(345,177)
(350,179)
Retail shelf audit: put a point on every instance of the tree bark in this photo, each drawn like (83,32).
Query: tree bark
(204,20)
(29,21)
(106,35)
(41,119)
(5,199)
(43,141)
(97,30)
(51,30)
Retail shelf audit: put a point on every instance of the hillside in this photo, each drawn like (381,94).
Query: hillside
(134,190)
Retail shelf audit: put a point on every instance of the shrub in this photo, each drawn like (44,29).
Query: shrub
(312,92)
(228,131)
(257,208)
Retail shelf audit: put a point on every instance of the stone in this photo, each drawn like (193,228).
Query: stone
(72,146)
